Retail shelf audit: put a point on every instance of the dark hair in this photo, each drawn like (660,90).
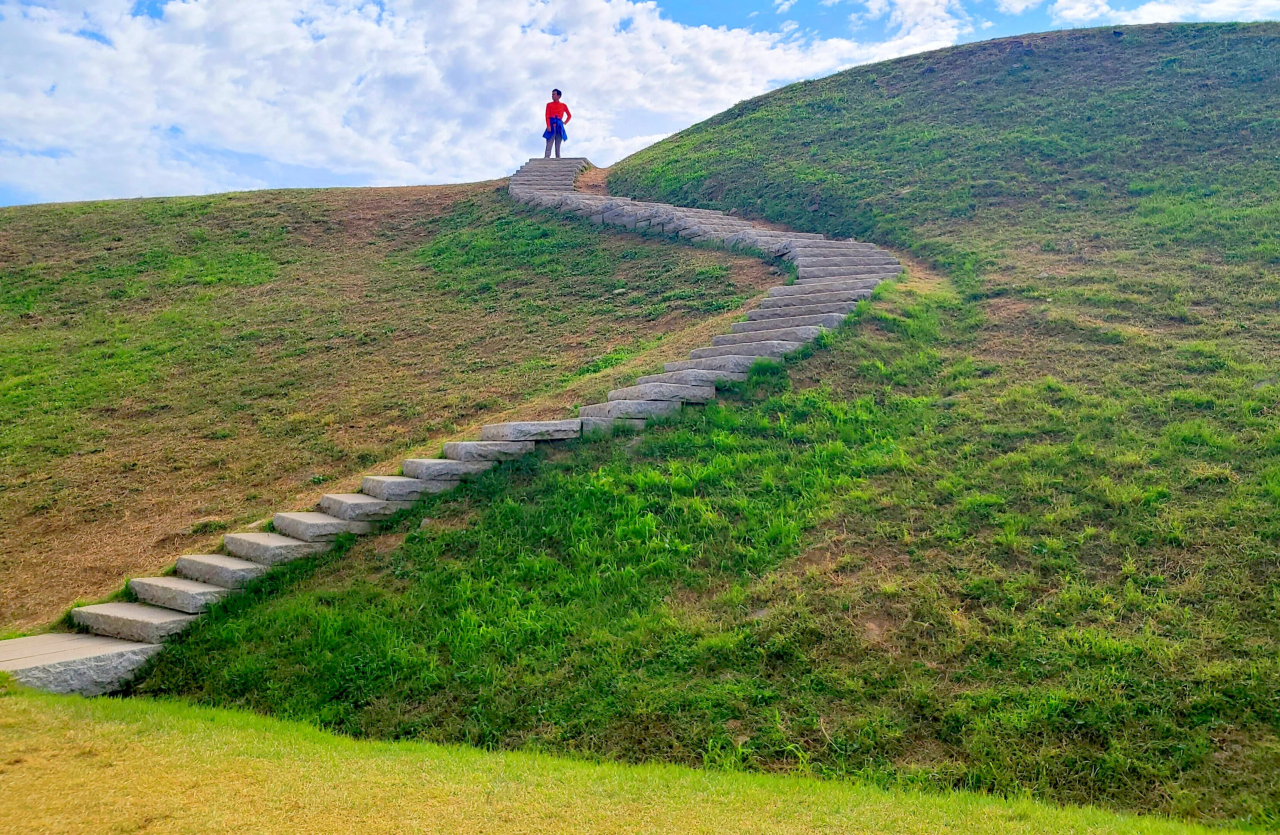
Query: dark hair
(557,92)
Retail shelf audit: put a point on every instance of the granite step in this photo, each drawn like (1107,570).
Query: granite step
(177,593)
(840,308)
(487,450)
(360,507)
(868,260)
(821,320)
(809,299)
(796,247)
(606,425)
(72,662)
(633,409)
(771,349)
(734,364)
(831,273)
(132,621)
(309,526)
(823,287)
(665,391)
(828,274)
(444,469)
(219,570)
(692,378)
(403,490)
(532,430)
(802,334)
(271,548)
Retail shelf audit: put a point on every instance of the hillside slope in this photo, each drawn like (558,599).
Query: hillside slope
(1014,528)
(1131,149)
(173,368)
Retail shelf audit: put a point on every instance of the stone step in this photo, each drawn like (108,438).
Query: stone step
(271,548)
(177,593)
(310,526)
(132,621)
(360,507)
(800,246)
(821,320)
(805,238)
(764,314)
(809,299)
(838,272)
(487,450)
(802,334)
(403,490)
(72,662)
(595,425)
(770,349)
(871,259)
(805,282)
(665,391)
(855,269)
(734,364)
(823,287)
(634,409)
(532,430)
(699,230)
(443,469)
(692,378)
(754,238)
(219,570)
(548,171)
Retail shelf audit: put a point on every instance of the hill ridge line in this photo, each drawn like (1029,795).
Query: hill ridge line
(832,277)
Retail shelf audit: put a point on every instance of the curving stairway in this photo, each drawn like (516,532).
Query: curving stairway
(833,276)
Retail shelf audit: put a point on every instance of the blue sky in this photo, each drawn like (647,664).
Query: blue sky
(124,98)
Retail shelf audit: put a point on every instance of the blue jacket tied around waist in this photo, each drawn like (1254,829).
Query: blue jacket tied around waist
(556,129)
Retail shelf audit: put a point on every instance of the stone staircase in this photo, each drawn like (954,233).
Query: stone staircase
(833,276)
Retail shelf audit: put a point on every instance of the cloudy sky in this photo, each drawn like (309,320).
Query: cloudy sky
(123,98)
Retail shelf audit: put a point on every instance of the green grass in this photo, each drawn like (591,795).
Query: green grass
(191,364)
(1004,587)
(72,765)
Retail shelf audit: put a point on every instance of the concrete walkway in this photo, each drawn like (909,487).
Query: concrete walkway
(833,276)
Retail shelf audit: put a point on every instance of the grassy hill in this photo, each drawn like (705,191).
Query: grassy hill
(76,766)
(1012,529)
(173,368)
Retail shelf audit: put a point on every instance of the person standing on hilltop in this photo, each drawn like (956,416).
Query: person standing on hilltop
(557,117)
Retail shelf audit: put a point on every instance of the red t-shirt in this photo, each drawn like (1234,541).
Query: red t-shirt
(557,110)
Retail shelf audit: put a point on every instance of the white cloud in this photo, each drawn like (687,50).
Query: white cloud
(1017,6)
(783,6)
(1179,10)
(220,94)
(1080,11)
(1164,11)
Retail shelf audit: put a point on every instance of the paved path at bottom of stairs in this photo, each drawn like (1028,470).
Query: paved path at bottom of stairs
(833,276)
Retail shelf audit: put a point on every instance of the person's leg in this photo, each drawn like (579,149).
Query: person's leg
(547,155)
(557,146)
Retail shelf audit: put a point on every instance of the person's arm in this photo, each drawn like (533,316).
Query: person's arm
(567,114)
(549,115)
